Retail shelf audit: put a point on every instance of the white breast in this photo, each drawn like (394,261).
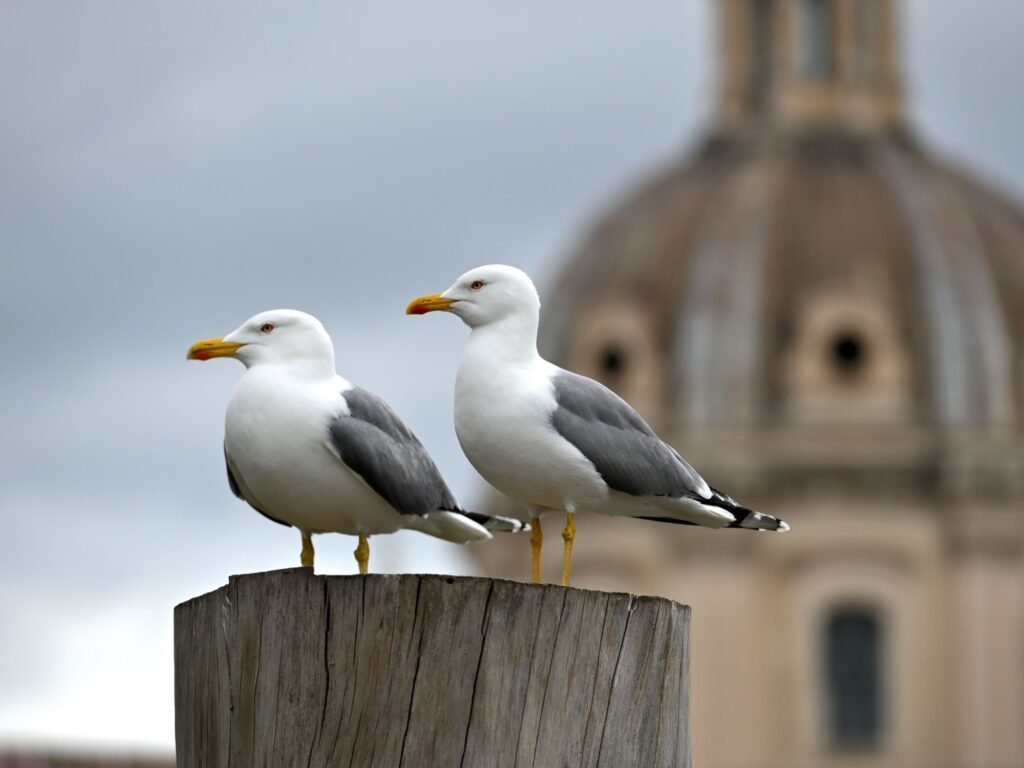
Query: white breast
(503,422)
(276,434)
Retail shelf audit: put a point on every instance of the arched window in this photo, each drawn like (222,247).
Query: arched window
(817,39)
(853,679)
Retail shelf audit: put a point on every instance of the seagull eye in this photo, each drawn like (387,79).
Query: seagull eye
(476,285)
(266,328)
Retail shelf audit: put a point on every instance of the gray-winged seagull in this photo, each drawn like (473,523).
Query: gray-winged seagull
(555,440)
(306,448)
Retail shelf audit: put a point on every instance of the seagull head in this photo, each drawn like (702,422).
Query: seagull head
(484,295)
(280,336)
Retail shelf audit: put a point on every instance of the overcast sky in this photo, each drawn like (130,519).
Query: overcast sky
(168,169)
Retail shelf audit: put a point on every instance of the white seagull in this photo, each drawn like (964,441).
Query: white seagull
(306,448)
(556,440)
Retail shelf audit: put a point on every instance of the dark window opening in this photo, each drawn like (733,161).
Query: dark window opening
(849,352)
(866,36)
(762,56)
(853,677)
(817,40)
(612,363)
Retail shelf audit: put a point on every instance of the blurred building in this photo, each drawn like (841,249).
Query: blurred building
(827,320)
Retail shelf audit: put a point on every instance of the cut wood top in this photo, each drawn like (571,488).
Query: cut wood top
(289,668)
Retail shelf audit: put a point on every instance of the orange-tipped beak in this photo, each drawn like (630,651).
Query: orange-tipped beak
(207,348)
(431,303)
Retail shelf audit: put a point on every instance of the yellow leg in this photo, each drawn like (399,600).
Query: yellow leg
(536,541)
(362,553)
(568,536)
(307,551)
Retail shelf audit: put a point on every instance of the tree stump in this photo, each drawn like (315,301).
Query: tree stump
(291,669)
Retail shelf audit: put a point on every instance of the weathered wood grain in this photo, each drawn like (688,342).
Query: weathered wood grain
(290,669)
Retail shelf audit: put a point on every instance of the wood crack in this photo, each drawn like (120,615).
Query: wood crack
(547,677)
(476,675)
(416,671)
(597,670)
(326,614)
(615,674)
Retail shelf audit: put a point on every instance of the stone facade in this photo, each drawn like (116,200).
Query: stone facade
(828,321)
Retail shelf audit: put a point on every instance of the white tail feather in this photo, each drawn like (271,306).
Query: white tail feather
(450,526)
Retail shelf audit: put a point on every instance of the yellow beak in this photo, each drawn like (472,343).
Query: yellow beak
(431,303)
(207,348)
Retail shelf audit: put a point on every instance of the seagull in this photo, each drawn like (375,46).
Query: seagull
(555,440)
(306,448)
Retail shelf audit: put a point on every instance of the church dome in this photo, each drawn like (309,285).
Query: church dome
(812,297)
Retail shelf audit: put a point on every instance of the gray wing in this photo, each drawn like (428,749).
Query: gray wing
(374,443)
(242,491)
(626,452)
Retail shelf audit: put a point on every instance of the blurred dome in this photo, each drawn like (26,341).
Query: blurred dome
(776,303)
(812,298)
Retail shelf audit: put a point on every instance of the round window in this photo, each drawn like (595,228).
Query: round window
(848,352)
(612,361)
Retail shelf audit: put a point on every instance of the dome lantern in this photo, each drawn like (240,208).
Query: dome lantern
(804,63)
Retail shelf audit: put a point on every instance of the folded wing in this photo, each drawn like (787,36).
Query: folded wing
(374,443)
(626,452)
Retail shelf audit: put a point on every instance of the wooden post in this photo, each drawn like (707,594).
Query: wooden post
(290,669)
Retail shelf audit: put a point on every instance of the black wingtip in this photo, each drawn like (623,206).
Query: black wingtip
(758,521)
